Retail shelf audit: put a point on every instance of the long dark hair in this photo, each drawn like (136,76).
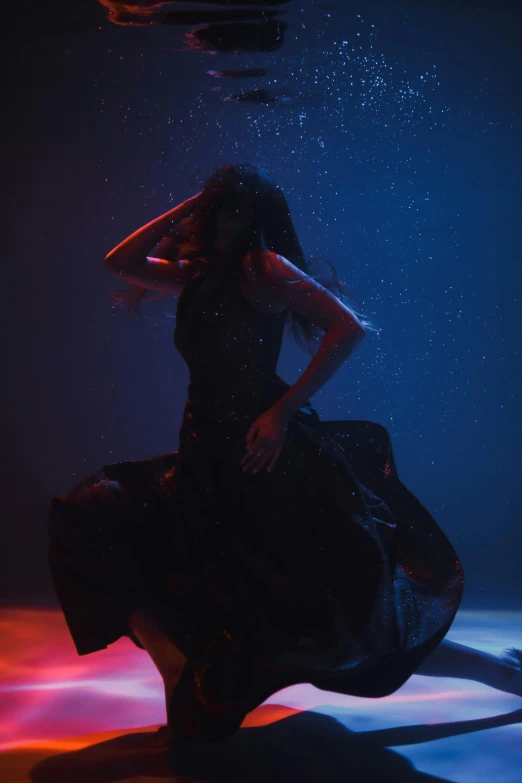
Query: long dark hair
(272,228)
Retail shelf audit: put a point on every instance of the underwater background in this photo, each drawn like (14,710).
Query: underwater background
(394,131)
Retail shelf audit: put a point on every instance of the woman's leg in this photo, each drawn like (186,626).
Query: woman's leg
(450,659)
(168,659)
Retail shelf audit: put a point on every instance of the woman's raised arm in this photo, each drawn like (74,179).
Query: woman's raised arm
(132,252)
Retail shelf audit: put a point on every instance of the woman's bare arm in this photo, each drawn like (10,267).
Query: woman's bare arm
(132,252)
(129,261)
(343,331)
(158,274)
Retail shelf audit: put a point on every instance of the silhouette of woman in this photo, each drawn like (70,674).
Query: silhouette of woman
(271,548)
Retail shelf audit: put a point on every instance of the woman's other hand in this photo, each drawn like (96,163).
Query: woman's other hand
(265,439)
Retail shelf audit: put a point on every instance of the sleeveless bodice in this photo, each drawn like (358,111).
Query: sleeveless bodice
(225,342)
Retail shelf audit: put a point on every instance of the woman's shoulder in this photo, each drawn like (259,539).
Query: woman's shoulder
(268,265)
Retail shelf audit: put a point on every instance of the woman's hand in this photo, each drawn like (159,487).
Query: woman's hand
(182,210)
(265,439)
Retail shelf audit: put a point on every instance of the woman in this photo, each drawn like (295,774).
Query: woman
(272,547)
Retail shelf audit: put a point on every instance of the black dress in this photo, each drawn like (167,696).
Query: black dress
(327,570)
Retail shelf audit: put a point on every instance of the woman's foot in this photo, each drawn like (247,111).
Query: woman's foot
(162,738)
(511,659)
(451,659)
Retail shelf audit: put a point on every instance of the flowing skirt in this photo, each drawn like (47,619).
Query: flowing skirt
(327,570)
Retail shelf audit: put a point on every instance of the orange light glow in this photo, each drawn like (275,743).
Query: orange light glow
(55,700)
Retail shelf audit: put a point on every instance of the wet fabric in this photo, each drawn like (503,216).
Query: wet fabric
(327,570)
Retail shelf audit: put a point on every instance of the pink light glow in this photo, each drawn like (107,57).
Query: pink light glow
(50,695)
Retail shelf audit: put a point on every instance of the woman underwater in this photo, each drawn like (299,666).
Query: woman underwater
(271,548)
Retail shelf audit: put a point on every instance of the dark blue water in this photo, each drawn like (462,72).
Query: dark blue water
(394,131)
